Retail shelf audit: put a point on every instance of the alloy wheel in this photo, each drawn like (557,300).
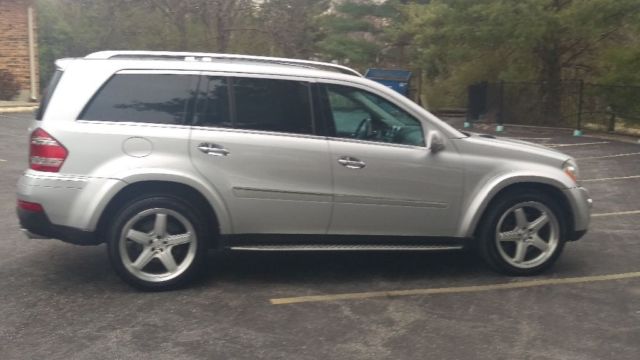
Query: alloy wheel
(527,234)
(157,245)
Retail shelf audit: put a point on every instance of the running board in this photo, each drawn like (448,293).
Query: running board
(346,247)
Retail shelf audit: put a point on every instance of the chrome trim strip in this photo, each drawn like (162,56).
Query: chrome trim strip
(370,200)
(133,123)
(347,248)
(274,194)
(369,142)
(258,132)
(56,177)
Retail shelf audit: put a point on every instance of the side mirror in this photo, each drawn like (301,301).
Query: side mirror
(435,141)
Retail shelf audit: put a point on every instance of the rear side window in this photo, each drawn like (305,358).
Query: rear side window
(48,93)
(213,103)
(146,98)
(272,105)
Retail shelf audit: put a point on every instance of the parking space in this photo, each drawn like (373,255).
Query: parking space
(62,301)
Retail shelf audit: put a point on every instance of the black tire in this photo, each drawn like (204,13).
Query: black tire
(488,244)
(182,221)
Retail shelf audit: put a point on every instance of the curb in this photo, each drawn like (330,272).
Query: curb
(17,109)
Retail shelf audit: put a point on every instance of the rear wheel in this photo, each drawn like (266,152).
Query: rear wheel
(157,242)
(523,233)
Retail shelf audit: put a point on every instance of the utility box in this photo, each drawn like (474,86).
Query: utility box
(397,80)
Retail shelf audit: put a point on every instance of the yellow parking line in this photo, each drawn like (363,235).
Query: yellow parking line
(632,212)
(454,290)
(612,178)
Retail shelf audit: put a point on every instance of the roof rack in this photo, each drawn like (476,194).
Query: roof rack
(196,56)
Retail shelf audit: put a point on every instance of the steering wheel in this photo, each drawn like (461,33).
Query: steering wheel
(363,129)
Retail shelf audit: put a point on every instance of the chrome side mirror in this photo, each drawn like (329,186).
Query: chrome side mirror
(435,141)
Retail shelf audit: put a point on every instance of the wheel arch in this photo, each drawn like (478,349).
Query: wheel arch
(483,200)
(221,222)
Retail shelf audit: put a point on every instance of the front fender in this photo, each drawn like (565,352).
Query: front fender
(481,195)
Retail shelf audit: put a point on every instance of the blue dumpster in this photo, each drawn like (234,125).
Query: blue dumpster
(398,80)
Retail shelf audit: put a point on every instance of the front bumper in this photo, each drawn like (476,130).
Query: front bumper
(581,204)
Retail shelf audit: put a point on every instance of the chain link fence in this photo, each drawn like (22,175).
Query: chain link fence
(568,104)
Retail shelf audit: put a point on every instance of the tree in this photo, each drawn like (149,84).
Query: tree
(291,25)
(354,32)
(222,17)
(178,13)
(546,40)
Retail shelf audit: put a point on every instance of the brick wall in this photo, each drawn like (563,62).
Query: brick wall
(14,43)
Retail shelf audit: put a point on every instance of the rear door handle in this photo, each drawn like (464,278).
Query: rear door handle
(213,149)
(351,162)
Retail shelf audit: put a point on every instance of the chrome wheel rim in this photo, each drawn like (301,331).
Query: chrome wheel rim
(157,245)
(527,234)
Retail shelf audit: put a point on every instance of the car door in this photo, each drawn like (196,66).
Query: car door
(386,182)
(253,140)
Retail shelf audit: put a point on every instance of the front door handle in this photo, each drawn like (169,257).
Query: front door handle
(213,149)
(351,162)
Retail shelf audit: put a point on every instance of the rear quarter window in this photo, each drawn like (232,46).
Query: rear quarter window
(145,98)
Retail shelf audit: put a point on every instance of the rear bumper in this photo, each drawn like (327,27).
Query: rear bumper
(72,205)
(36,225)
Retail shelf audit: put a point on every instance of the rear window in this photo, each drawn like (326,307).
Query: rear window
(273,105)
(213,103)
(55,78)
(146,98)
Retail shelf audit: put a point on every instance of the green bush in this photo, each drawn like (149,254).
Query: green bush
(9,87)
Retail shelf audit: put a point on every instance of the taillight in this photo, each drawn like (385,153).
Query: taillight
(45,152)
(30,206)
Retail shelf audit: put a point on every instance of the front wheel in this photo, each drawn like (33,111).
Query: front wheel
(522,234)
(157,242)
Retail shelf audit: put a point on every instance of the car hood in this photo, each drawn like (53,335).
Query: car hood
(513,148)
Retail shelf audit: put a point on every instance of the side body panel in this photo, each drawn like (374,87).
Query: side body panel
(271,183)
(402,190)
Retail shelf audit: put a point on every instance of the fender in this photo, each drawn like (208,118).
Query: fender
(152,174)
(484,194)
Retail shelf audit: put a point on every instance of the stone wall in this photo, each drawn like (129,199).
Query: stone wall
(14,43)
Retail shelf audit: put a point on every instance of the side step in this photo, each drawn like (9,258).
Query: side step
(346,247)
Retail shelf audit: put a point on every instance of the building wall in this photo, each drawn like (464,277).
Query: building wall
(14,44)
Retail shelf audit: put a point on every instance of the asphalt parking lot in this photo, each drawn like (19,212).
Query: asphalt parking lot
(60,301)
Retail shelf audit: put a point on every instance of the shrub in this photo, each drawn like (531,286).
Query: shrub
(9,86)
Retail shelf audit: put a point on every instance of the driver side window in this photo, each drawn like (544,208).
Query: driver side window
(358,114)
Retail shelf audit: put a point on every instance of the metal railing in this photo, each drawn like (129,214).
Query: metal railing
(570,104)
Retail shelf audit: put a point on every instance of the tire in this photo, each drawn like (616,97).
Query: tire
(157,242)
(523,233)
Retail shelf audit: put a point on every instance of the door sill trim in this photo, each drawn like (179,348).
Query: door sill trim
(346,248)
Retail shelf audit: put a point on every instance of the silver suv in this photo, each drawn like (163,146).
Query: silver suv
(163,156)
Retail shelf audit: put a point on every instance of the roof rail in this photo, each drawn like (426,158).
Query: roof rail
(197,56)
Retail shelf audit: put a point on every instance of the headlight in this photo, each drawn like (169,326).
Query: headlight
(571,169)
